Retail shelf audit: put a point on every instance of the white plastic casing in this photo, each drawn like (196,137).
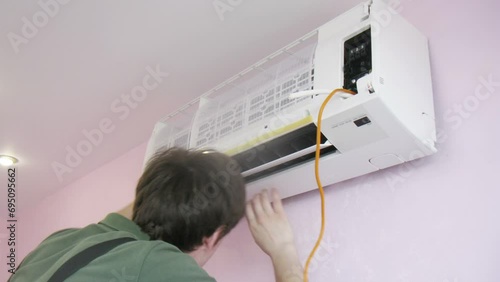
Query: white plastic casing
(400,109)
(396,97)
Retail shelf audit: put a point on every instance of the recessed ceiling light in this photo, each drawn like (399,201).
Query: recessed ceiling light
(7,160)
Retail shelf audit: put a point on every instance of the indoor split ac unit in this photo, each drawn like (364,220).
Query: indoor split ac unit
(265,116)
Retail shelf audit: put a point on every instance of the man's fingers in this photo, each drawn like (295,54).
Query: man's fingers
(250,213)
(278,206)
(266,203)
(257,206)
(260,206)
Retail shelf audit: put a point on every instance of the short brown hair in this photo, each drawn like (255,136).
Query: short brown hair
(185,195)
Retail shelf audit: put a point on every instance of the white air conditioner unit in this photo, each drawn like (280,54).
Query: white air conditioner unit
(252,116)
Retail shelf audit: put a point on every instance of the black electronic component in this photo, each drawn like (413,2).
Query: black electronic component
(362,121)
(357,58)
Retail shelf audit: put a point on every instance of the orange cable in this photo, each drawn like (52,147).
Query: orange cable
(318,181)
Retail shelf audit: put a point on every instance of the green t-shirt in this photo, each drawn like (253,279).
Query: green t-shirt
(141,260)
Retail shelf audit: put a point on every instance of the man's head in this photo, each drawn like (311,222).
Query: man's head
(190,199)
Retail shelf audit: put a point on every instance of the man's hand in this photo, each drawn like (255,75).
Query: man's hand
(272,232)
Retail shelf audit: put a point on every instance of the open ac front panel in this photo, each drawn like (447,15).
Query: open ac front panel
(388,122)
(357,63)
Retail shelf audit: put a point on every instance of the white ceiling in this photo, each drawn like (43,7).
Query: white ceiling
(67,75)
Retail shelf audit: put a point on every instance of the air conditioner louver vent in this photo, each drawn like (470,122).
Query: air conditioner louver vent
(281,148)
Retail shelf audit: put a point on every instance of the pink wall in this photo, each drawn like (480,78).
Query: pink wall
(433,220)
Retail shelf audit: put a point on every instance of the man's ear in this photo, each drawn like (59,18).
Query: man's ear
(212,241)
